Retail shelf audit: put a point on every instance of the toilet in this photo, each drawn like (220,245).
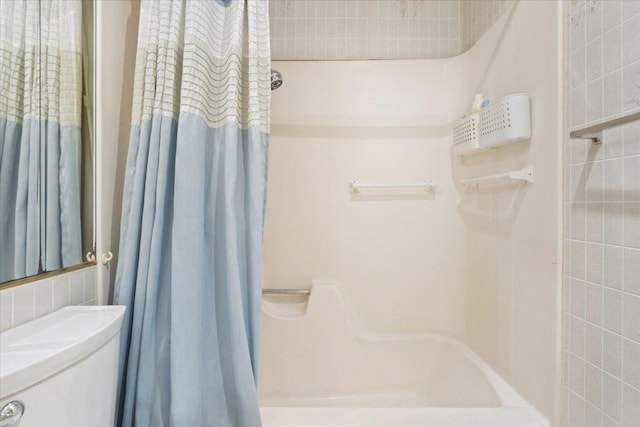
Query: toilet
(61,370)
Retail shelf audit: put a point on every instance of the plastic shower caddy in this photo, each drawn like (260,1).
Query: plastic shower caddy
(503,122)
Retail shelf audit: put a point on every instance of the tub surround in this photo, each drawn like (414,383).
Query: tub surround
(479,266)
(399,255)
(456,262)
(358,376)
(513,232)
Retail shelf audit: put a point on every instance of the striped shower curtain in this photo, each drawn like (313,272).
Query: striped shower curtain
(189,266)
(40,140)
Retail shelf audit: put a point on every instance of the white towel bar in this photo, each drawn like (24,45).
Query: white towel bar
(356,187)
(525,175)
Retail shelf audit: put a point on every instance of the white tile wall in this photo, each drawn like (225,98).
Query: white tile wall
(602,216)
(478,17)
(379,29)
(364,29)
(23,303)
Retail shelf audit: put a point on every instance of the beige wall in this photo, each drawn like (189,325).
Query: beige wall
(117,32)
(512,233)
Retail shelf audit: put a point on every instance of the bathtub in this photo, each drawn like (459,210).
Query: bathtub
(319,367)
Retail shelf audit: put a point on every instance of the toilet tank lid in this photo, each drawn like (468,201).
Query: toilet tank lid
(39,349)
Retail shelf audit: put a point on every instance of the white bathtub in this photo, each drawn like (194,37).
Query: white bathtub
(320,368)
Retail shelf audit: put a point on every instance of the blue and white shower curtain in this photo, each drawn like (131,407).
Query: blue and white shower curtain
(190,264)
(40,139)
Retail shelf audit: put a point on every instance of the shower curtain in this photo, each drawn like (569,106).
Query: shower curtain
(190,266)
(40,143)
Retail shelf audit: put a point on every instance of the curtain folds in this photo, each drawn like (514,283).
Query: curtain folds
(40,140)
(190,262)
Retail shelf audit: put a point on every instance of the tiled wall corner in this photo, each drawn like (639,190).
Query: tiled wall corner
(364,29)
(601,358)
(478,17)
(23,303)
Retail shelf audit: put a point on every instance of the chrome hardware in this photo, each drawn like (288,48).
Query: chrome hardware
(594,133)
(276,79)
(11,413)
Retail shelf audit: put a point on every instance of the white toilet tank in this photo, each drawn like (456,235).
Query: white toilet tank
(61,368)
